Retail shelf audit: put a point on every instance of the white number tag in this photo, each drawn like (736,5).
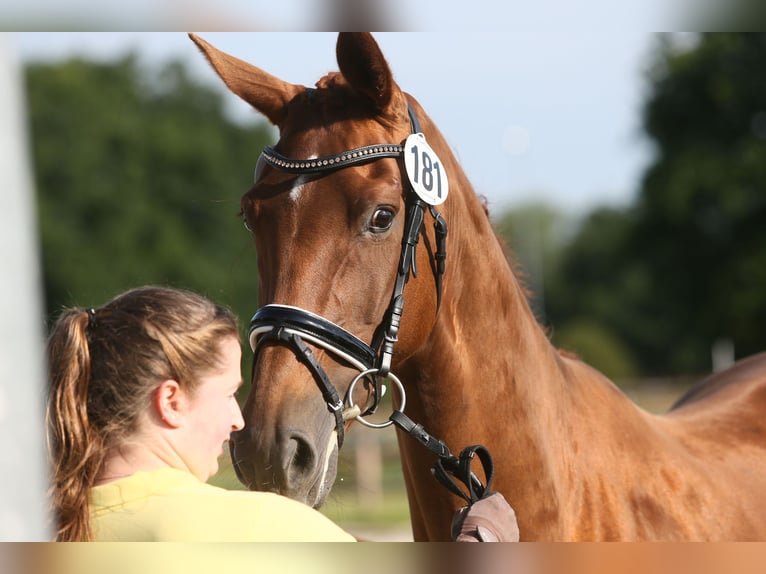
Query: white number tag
(424,170)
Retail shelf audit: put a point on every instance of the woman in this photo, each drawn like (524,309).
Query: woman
(141,404)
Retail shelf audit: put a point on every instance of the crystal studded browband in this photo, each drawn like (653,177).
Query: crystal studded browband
(331,162)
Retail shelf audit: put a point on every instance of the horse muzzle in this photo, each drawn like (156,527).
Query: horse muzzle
(294,462)
(293,434)
(293,327)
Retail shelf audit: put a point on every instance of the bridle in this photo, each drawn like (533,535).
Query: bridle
(293,326)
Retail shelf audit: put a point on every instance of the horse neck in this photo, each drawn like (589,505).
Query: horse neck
(487,374)
(483,376)
(486,321)
(485,327)
(486,358)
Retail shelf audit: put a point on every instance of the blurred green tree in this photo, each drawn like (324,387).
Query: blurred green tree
(139,173)
(661,281)
(536,234)
(577,280)
(595,295)
(700,221)
(685,266)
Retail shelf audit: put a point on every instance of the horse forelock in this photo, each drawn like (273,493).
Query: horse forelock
(330,120)
(331,81)
(333,98)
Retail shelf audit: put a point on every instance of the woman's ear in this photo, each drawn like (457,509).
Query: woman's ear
(169,401)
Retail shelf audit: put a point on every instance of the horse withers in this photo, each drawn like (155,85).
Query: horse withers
(359,280)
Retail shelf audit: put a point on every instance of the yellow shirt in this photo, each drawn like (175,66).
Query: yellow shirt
(173,505)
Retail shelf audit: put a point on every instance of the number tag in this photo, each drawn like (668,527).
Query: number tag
(424,170)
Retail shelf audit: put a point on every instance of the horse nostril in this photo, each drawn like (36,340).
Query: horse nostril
(303,460)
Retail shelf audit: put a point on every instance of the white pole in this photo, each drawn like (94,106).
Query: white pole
(23,469)
(722,354)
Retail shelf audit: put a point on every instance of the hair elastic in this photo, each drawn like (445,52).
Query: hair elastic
(91,318)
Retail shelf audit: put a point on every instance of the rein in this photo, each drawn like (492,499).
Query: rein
(292,326)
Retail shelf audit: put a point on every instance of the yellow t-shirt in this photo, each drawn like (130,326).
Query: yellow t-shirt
(173,505)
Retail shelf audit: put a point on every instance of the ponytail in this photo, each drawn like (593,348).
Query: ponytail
(76,451)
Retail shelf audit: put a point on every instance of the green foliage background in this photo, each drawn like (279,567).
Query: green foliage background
(648,289)
(139,173)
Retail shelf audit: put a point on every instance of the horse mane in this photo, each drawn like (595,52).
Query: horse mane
(522,277)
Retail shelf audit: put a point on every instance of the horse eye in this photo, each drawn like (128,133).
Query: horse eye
(245,222)
(381,220)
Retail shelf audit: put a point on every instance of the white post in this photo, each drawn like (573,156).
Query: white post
(722,354)
(23,469)
(369,469)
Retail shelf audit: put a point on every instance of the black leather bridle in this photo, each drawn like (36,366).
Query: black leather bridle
(293,326)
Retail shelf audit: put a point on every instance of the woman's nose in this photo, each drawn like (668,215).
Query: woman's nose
(238,423)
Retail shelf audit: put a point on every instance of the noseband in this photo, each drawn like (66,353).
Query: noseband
(293,326)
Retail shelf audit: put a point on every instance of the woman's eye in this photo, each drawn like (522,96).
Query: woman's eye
(381,220)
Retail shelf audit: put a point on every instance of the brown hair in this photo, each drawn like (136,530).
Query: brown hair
(104,365)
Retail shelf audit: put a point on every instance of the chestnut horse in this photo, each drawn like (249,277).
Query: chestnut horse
(340,229)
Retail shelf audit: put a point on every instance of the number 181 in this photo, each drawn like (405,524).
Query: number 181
(428,167)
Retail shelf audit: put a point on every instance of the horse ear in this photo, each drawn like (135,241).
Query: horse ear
(266,93)
(362,64)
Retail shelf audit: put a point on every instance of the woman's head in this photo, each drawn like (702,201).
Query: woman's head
(106,366)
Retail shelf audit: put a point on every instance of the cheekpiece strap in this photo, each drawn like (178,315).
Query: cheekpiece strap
(414,122)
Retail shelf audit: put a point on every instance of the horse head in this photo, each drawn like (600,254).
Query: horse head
(333,261)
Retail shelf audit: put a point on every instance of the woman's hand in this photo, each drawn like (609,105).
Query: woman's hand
(490,519)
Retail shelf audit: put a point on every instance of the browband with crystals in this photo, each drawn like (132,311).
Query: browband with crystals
(331,162)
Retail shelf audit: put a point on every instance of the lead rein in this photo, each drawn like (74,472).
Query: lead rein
(448,468)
